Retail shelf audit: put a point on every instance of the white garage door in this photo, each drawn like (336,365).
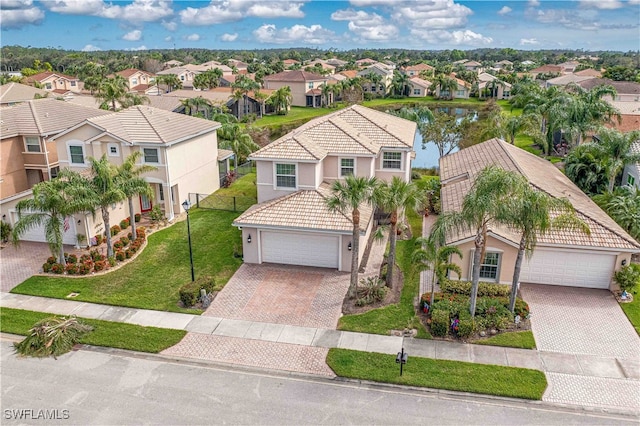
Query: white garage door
(37,233)
(574,269)
(300,249)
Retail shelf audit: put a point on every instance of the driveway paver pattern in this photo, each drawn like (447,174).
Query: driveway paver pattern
(254,353)
(293,295)
(17,263)
(580,321)
(592,391)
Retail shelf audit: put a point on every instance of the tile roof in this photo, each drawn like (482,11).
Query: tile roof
(589,72)
(563,80)
(16,92)
(223,154)
(547,68)
(458,170)
(44,117)
(420,82)
(46,74)
(419,67)
(131,71)
(355,130)
(145,124)
(295,76)
(305,210)
(622,87)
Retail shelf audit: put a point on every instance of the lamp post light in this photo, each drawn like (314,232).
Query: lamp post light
(186,206)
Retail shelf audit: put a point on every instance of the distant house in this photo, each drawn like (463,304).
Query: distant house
(365,62)
(569,66)
(472,65)
(336,62)
(589,72)
(55,82)
(418,87)
(628,91)
(462,91)
(386,78)
(306,87)
(171,64)
(415,70)
(240,66)
(226,70)
(14,93)
(503,65)
(501,89)
(546,69)
(288,63)
(184,73)
(631,174)
(139,81)
(326,67)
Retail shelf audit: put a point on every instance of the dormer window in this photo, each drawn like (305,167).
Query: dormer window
(286,176)
(347,167)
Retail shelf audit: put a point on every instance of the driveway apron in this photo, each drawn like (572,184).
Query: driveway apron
(17,263)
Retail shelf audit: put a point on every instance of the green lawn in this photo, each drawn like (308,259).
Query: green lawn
(399,315)
(295,114)
(153,279)
(633,311)
(518,339)
(439,374)
(429,100)
(105,333)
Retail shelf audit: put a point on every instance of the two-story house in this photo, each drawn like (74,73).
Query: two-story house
(28,155)
(489,86)
(306,87)
(378,78)
(55,82)
(418,69)
(184,150)
(291,224)
(139,81)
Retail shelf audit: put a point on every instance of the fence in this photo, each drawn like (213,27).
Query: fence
(241,170)
(221,202)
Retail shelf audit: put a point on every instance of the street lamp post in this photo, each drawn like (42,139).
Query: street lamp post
(186,206)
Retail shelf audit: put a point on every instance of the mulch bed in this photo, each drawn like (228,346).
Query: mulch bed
(393,296)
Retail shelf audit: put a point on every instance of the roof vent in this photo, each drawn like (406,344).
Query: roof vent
(46,114)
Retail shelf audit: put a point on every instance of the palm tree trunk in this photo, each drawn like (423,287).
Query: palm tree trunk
(61,258)
(355,243)
(132,219)
(475,276)
(433,284)
(516,276)
(612,181)
(391,260)
(105,219)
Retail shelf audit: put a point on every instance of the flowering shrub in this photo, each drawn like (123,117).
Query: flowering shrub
(99,239)
(128,253)
(124,223)
(84,258)
(51,260)
(96,255)
(85,267)
(124,241)
(137,217)
(57,268)
(115,229)
(141,232)
(46,267)
(117,245)
(120,256)
(99,265)
(72,268)
(72,258)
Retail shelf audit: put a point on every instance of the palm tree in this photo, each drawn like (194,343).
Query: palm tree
(617,147)
(106,190)
(131,99)
(623,205)
(430,256)
(534,214)
(394,197)
(52,202)
(326,93)
(244,85)
(486,202)
(347,198)
(171,81)
(231,136)
(400,83)
(113,91)
(446,85)
(587,168)
(128,175)
(281,99)
(208,79)
(193,106)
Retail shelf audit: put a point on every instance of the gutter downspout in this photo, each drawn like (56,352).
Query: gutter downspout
(171,214)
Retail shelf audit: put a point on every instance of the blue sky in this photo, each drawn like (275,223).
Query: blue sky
(342,25)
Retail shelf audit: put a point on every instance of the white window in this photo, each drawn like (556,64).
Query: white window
(392,160)
(182,77)
(490,266)
(285,175)
(73,83)
(631,180)
(113,150)
(161,191)
(347,167)
(311,85)
(151,155)
(33,144)
(416,91)
(76,154)
(461,93)
(47,86)
(134,81)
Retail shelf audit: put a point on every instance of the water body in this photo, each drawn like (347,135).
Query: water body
(428,157)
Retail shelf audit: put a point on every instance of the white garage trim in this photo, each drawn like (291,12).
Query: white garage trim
(568,268)
(37,233)
(305,249)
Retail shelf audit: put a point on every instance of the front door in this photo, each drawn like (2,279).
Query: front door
(145,203)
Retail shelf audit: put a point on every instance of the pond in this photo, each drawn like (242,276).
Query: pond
(428,157)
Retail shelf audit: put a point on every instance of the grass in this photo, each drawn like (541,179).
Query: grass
(399,315)
(429,100)
(153,279)
(439,374)
(632,310)
(295,114)
(518,339)
(105,333)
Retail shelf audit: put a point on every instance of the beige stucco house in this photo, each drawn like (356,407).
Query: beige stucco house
(488,83)
(418,69)
(418,87)
(28,155)
(561,257)
(56,82)
(462,91)
(184,150)
(385,74)
(291,223)
(139,81)
(306,87)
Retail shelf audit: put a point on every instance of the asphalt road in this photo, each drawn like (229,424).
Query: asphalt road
(110,387)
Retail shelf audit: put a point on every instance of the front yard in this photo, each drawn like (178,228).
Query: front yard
(153,279)
(632,310)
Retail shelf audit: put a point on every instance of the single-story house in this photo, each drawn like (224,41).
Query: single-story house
(418,87)
(561,257)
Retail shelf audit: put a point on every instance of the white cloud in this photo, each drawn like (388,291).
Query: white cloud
(505,11)
(368,26)
(134,35)
(314,34)
(575,20)
(456,38)
(18,13)
(435,14)
(528,41)
(229,37)
(169,25)
(192,37)
(365,3)
(534,3)
(133,49)
(168,39)
(139,10)
(634,2)
(90,48)
(601,4)
(218,11)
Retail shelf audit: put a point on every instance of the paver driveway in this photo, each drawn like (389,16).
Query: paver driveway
(19,263)
(280,294)
(580,321)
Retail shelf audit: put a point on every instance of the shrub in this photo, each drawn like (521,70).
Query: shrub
(117,245)
(84,258)
(71,268)
(115,229)
(141,232)
(124,223)
(628,277)
(46,267)
(99,239)
(57,268)
(125,241)
(120,256)
(85,267)
(52,337)
(190,292)
(452,305)
(72,258)
(484,289)
(521,308)
(156,214)
(466,325)
(96,255)
(371,290)
(5,231)
(137,217)
(51,260)
(439,322)
(129,253)
(99,265)
(111,261)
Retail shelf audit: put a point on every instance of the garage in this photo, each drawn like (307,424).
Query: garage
(300,249)
(568,268)
(37,233)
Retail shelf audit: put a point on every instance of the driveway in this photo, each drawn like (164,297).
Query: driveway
(19,263)
(580,321)
(280,294)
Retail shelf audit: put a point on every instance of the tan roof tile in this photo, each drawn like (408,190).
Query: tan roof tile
(16,92)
